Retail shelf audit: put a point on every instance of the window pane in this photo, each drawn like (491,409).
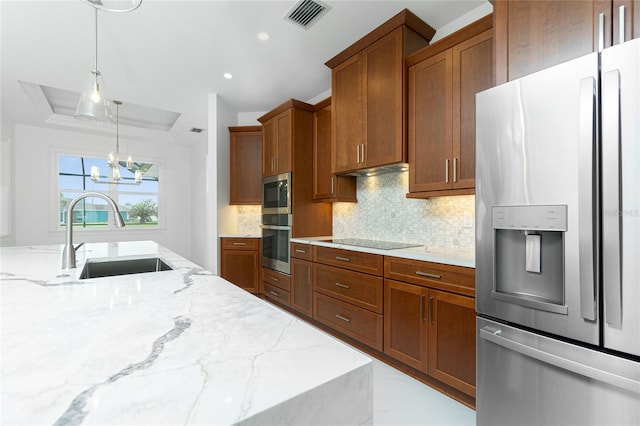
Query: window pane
(138,203)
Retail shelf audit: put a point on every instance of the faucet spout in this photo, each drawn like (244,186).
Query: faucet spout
(69,252)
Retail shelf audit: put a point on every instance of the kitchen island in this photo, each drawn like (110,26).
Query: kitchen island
(174,347)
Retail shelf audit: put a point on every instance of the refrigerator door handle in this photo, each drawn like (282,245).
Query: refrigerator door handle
(585,198)
(494,335)
(611,218)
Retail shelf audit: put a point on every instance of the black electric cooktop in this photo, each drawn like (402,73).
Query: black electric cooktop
(381,245)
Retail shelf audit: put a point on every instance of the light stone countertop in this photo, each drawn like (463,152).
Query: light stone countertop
(240,236)
(446,255)
(172,347)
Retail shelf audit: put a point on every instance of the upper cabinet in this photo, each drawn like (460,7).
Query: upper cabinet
(326,185)
(369,94)
(279,129)
(245,179)
(443,81)
(531,35)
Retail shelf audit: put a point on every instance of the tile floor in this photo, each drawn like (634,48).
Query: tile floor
(400,400)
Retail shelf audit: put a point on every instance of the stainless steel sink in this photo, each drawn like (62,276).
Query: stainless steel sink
(110,268)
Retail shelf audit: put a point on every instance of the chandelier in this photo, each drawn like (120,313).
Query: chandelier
(114,163)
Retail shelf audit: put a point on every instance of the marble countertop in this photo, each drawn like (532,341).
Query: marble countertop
(446,255)
(172,347)
(240,236)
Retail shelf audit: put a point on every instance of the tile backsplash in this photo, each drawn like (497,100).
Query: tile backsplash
(384,213)
(249,220)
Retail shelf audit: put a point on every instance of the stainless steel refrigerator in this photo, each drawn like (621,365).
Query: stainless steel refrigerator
(558,244)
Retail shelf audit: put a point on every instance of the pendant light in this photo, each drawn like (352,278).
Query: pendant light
(113,161)
(93,104)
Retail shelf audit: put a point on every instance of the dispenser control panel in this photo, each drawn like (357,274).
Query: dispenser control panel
(534,218)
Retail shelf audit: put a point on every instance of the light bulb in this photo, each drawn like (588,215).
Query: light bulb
(96,97)
(138,176)
(95,173)
(129,162)
(115,174)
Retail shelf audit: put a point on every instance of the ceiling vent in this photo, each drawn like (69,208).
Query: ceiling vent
(306,12)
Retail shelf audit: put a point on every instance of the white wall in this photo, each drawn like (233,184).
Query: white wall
(36,194)
(463,21)
(7,137)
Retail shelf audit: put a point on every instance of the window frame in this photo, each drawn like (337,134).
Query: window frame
(109,190)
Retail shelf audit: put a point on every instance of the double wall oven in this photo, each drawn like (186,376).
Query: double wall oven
(276,222)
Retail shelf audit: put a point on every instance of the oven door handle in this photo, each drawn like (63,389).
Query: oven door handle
(277,228)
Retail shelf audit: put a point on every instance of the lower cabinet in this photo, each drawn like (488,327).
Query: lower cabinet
(302,287)
(432,331)
(276,287)
(239,262)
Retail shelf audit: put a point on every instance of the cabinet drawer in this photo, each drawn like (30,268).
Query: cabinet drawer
(277,279)
(240,243)
(354,260)
(277,294)
(360,289)
(301,251)
(360,324)
(452,278)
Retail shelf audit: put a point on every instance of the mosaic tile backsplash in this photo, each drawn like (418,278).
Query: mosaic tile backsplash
(384,213)
(249,220)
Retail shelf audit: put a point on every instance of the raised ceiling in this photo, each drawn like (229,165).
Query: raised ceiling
(169,55)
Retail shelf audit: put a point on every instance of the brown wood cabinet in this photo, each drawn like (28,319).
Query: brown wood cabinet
(452,344)
(276,287)
(347,293)
(349,259)
(369,94)
(443,81)
(531,35)
(283,128)
(239,262)
(245,156)
(429,329)
(326,185)
(301,279)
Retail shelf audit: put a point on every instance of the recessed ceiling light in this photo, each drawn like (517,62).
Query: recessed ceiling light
(228,76)
(264,36)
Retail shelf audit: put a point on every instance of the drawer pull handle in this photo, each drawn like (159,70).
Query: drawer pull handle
(342,285)
(239,244)
(344,259)
(275,293)
(275,279)
(343,318)
(426,274)
(300,251)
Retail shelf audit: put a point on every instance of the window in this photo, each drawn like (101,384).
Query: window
(138,203)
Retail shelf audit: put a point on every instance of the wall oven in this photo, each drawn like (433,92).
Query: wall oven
(276,194)
(276,233)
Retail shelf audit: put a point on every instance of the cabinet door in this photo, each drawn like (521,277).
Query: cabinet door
(347,117)
(323,178)
(472,73)
(268,148)
(241,268)
(531,35)
(452,340)
(284,142)
(301,286)
(245,178)
(384,101)
(405,326)
(430,123)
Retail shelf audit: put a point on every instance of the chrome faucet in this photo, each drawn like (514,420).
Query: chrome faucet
(69,252)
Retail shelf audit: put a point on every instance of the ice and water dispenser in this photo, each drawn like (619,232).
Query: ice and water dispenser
(529,255)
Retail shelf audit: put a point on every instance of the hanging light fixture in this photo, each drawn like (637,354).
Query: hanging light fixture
(113,161)
(93,104)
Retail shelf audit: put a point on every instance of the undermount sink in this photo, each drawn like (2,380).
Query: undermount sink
(110,268)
